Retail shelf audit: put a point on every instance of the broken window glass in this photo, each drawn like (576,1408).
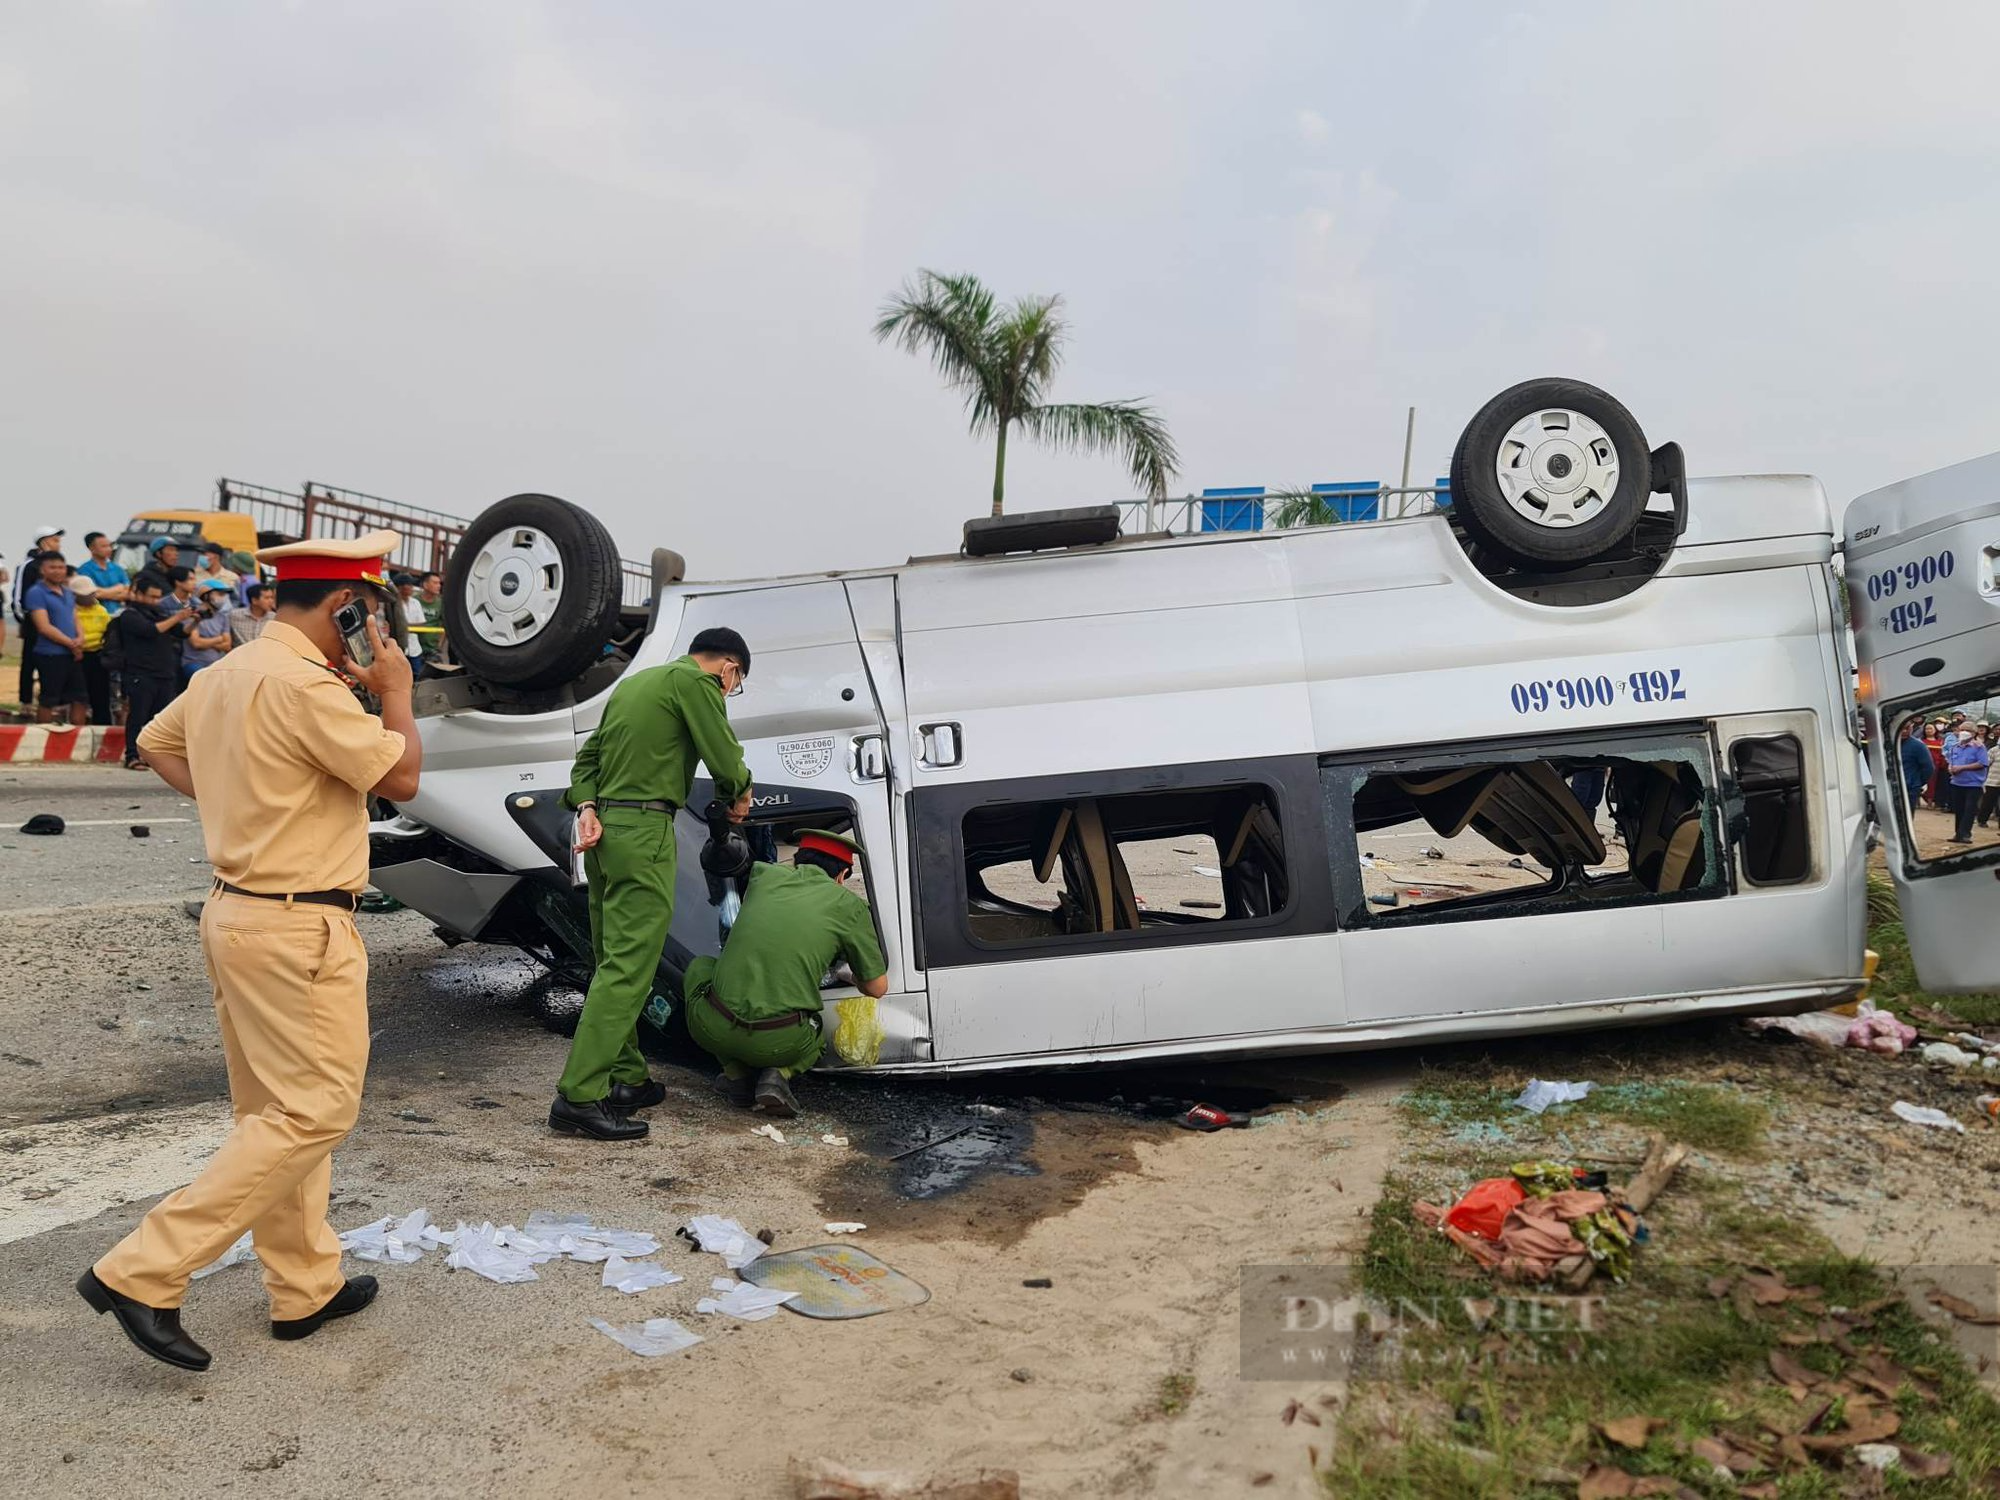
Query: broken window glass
(1581,822)
(1139,863)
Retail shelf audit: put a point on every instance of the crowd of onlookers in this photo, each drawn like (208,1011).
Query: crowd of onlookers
(1953,765)
(102,646)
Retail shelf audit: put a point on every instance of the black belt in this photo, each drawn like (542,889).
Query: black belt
(777,1024)
(346,900)
(658,804)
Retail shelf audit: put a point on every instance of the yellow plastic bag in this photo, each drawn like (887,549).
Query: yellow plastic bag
(857,1035)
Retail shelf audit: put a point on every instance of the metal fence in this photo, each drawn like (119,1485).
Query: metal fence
(1245,509)
(325,510)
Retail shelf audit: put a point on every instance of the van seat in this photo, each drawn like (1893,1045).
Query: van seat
(1528,809)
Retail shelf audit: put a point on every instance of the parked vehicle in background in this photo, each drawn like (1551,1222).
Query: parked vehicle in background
(1029,737)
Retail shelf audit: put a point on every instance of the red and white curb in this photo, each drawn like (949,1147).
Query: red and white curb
(51,742)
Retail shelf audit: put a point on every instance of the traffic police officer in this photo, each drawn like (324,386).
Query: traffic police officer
(757,1008)
(281,759)
(631,776)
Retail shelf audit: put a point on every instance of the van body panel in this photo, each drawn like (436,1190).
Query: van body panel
(1137,997)
(473,762)
(1923,580)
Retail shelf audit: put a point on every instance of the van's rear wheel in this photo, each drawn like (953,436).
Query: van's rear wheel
(532,592)
(1550,474)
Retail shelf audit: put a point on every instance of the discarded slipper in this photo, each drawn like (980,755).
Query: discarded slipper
(1208,1117)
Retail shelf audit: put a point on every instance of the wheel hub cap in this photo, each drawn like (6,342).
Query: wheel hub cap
(1557,468)
(514,586)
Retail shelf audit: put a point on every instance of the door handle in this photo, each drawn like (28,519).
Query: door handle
(943,745)
(869,758)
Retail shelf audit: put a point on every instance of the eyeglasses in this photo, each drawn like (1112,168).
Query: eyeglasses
(737,691)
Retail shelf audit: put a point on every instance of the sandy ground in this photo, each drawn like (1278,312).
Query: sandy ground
(112,1093)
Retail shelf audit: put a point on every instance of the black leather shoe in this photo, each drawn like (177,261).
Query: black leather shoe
(351,1298)
(774,1095)
(741,1091)
(153,1330)
(626,1097)
(596,1119)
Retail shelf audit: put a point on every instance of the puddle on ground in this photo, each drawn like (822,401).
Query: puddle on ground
(994,1155)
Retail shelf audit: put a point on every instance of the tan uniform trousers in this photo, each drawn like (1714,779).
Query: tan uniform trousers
(291,993)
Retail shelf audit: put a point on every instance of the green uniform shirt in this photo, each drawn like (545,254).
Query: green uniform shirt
(656,725)
(795,919)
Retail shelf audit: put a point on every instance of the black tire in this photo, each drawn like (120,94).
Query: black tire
(1492,520)
(572,636)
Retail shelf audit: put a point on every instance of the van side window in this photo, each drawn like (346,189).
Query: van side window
(1144,863)
(1776,840)
(1588,821)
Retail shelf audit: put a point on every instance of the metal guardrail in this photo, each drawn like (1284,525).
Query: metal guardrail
(1184,516)
(429,536)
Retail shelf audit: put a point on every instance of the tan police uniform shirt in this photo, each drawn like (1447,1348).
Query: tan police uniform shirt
(282,756)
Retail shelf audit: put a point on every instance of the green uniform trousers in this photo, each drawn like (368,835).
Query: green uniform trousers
(631,877)
(741,1051)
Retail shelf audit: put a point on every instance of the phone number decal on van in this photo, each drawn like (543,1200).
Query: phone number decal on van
(1913,614)
(1910,576)
(1661,685)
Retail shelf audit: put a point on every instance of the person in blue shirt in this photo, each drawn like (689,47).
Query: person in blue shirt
(210,636)
(1915,757)
(113,582)
(57,655)
(1965,760)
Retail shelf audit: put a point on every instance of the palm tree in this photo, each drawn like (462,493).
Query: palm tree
(1002,360)
(1300,506)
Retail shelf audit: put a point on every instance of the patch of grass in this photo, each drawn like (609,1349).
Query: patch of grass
(1507,1408)
(1705,1117)
(1896,987)
(1176,1391)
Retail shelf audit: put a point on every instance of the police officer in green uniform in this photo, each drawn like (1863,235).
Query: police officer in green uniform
(757,1009)
(630,778)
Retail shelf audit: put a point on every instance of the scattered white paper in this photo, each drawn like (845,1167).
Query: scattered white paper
(652,1338)
(1209,870)
(396,1240)
(833,1140)
(579,1239)
(1918,1114)
(235,1255)
(845,1226)
(504,1255)
(739,1299)
(725,1237)
(1540,1094)
(771,1131)
(633,1276)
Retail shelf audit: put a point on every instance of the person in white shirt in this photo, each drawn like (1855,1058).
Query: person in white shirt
(413,614)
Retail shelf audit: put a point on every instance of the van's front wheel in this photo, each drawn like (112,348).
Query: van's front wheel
(1550,474)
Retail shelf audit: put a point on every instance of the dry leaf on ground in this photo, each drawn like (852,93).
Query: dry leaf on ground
(1631,1432)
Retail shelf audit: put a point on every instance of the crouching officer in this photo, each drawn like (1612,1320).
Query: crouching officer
(281,758)
(631,776)
(757,1008)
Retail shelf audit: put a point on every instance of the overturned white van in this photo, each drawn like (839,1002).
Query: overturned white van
(1022,735)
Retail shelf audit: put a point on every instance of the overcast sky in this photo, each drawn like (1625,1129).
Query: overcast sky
(630,253)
